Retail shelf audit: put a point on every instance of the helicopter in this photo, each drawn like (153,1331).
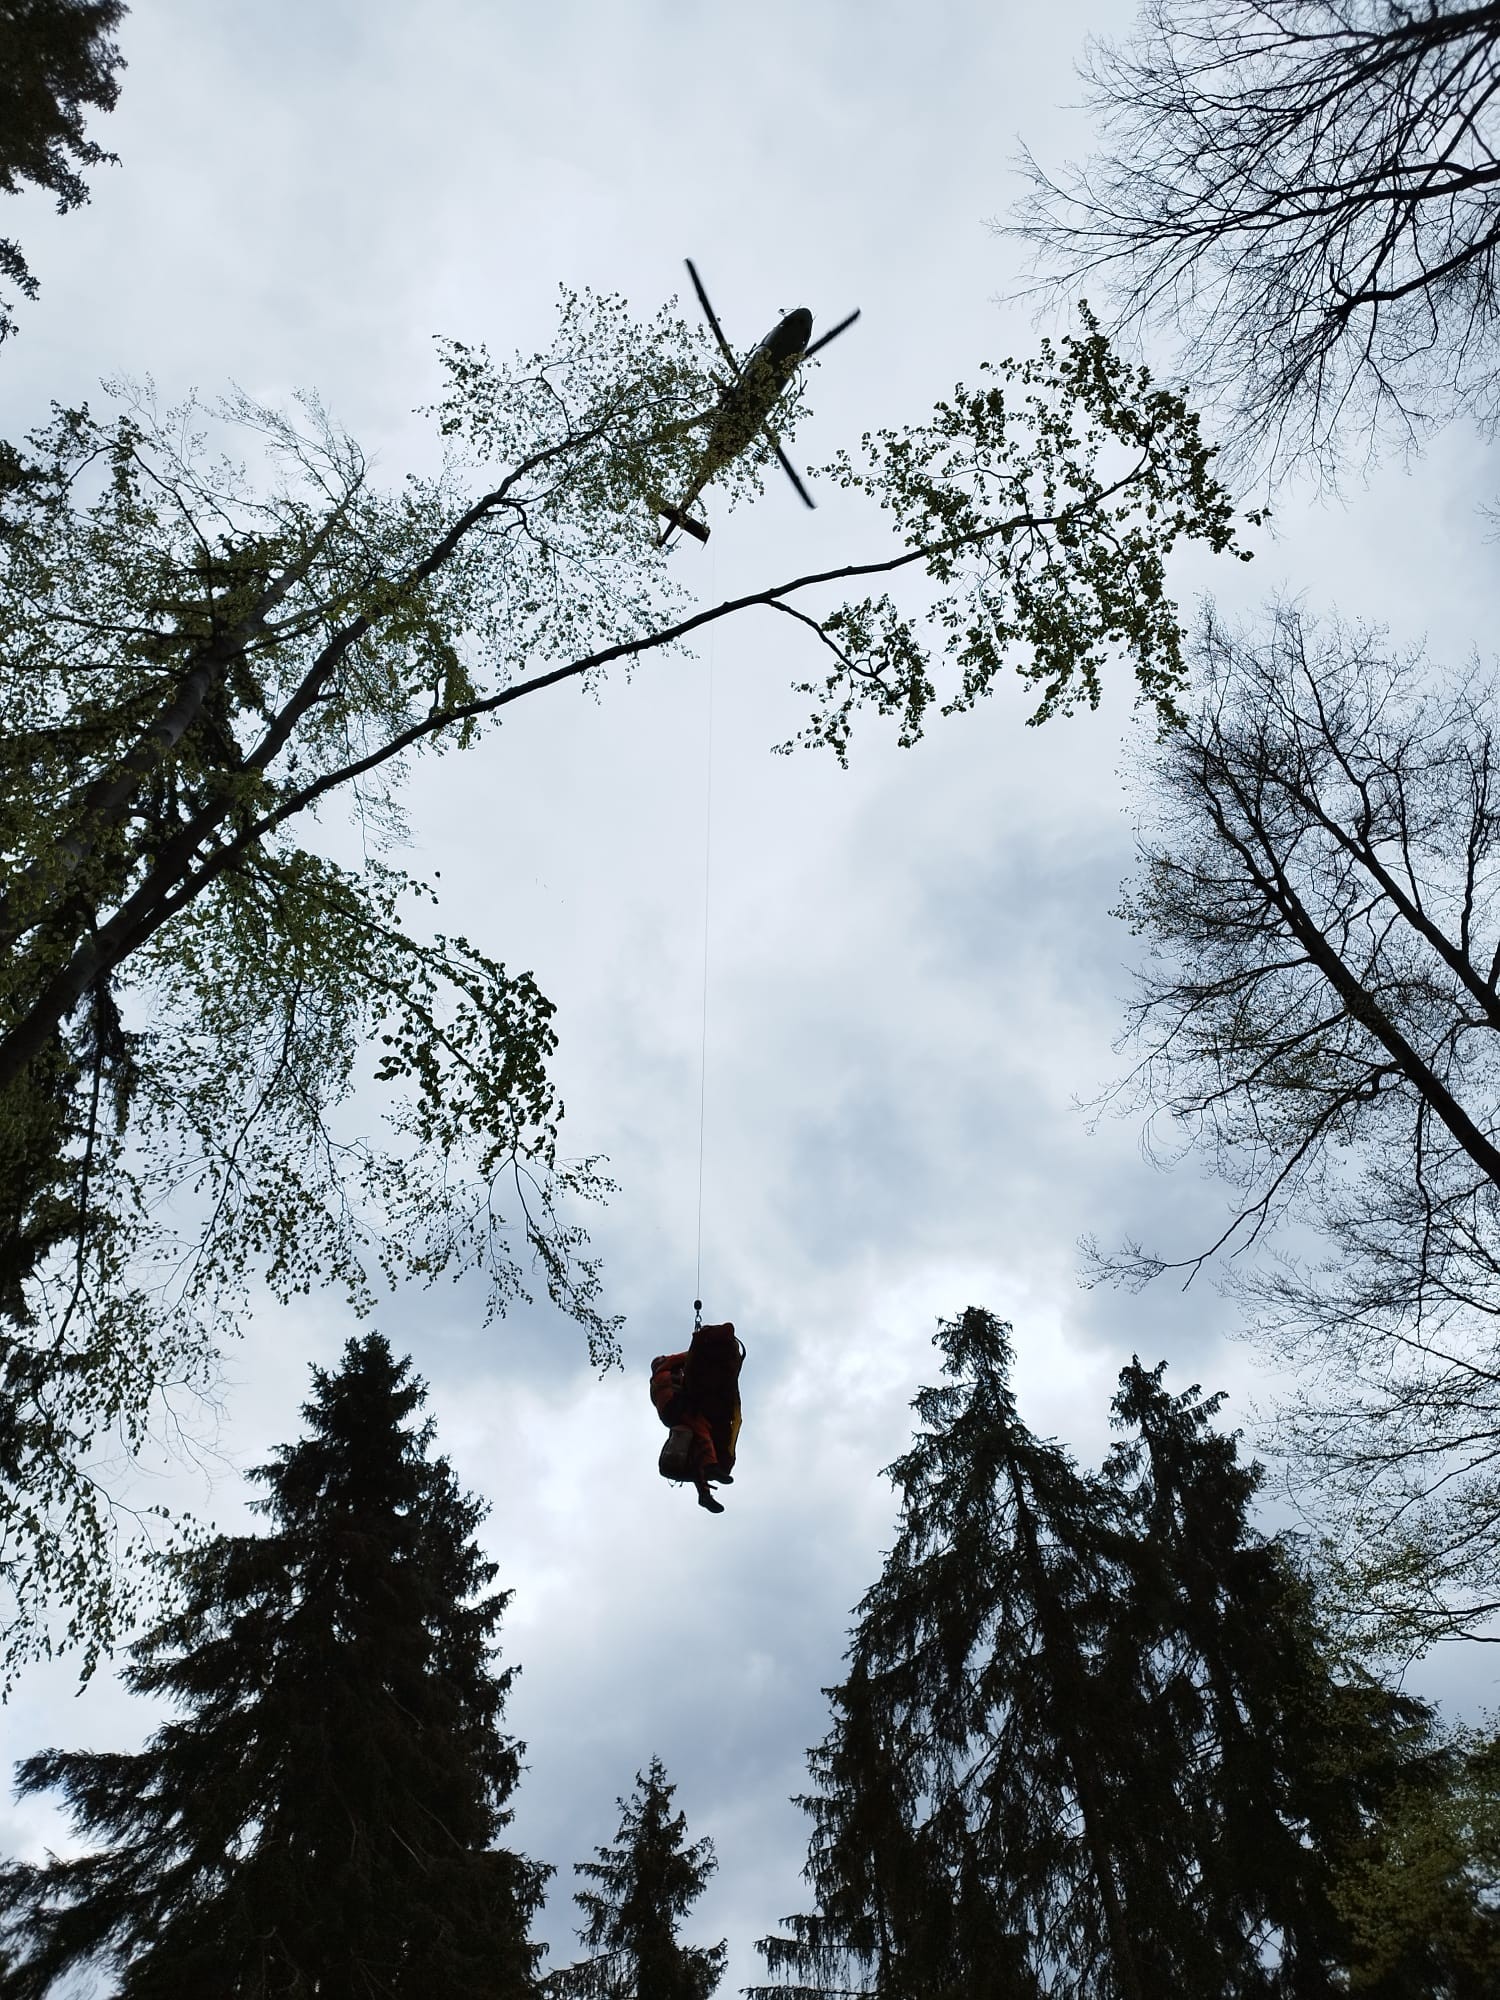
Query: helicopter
(746,401)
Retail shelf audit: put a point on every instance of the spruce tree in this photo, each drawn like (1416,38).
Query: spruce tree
(978,1831)
(1296,1760)
(56,56)
(902,1910)
(321,1816)
(647,1881)
(1090,1744)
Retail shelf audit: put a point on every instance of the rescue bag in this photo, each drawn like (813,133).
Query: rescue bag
(712,1389)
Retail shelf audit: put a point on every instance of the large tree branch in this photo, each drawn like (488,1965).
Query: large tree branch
(174,879)
(1429,275)
(1361,849)
(434,723)
(1275,884)
(104,803)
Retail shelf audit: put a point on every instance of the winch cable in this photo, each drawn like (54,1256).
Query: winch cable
(708,828)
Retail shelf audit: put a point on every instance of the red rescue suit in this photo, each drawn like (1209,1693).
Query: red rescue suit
(699,1389)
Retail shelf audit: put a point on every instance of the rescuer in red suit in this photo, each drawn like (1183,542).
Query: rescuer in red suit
(697,1396)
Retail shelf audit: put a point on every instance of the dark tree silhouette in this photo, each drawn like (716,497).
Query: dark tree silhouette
(322,1816)
(1090,1744)
(56,57)
(979,1810)
(904,1908)
(1308,191)
(1319,885)
(1304,1773)
(647,1883)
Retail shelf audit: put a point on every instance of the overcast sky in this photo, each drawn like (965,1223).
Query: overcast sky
(914,978)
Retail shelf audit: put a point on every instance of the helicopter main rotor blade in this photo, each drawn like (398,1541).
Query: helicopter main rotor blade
(791,472)
(832,333)
(712,318)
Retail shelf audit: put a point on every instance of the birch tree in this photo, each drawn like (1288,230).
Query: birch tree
(195,663)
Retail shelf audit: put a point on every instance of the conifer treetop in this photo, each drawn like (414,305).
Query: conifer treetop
(647,1881)
(323,1813)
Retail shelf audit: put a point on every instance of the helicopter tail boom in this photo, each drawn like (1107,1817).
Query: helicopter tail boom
(678,517)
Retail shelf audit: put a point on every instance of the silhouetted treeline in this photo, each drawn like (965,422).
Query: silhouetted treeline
(1092,1742)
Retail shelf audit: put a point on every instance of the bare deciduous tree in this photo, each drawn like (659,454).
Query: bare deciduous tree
(1320,884)
(1308,192)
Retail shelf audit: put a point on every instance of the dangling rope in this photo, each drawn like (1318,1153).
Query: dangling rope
(708,827)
